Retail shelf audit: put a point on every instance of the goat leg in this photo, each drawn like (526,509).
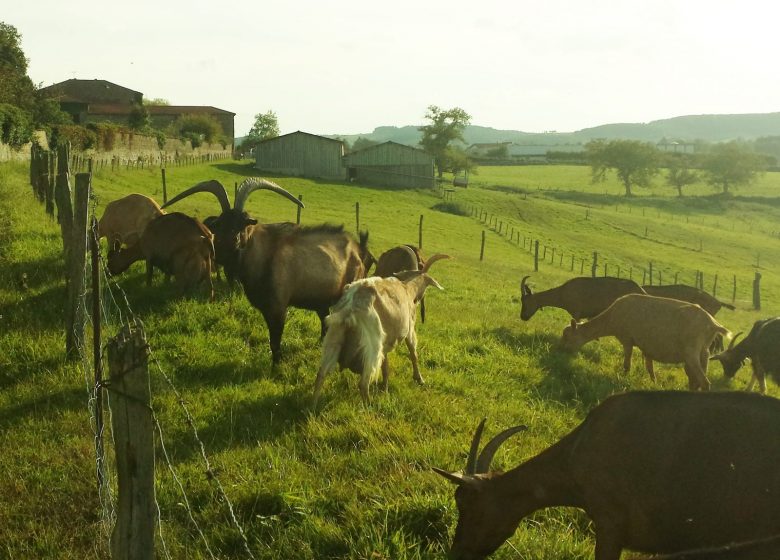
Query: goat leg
(649,367)
(627,349)
(411,344)
(275,321)
(385,373)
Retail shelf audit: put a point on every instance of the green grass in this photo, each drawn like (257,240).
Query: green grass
(346,481)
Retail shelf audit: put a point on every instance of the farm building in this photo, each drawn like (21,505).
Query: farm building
(390,164)
(301,154)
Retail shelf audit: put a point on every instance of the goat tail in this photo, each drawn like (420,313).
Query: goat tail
(355,322)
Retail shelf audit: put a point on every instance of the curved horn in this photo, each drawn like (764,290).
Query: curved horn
(471,462)
(433,259)
(255,184)
(524,289)
(213,186)
(486,457)
(733,340)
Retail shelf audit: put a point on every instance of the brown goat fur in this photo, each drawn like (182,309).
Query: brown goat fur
(665,330)
(583,297)
(125,219)
(176,244)
(286,265)
(690,294)
(656,471)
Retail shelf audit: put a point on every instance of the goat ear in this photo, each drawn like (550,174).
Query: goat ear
(116,245)
(431,282)
(455,478)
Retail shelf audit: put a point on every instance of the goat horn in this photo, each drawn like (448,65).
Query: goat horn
(437,257)
(486,457)
(213,186)
(733,340)
(471,462)
(254,184)
(524,289)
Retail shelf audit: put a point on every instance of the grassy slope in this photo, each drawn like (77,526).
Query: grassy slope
(347,482)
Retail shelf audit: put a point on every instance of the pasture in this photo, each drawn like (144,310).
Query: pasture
(348,481)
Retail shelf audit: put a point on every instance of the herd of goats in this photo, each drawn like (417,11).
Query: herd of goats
(658,472)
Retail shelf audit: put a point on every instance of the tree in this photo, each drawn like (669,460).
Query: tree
(634,162)
(679,172)
(139,119)
(362,143)
(16,88)
(444,128)
(266,126)
(197,129)
(457,160)
(156,101)
(730,165)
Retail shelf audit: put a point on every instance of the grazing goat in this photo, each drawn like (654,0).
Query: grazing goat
(656,471)
(690,294)
(368,321)
(233,225)
(665,330)
(762,346)
(582,297)
(176,244)
(398,259)
(125,219)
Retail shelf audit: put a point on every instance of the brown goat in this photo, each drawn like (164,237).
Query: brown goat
(176,244)
(399,259)
(656,471)
(690,294)
(665,330)
(125,219)
(583,297)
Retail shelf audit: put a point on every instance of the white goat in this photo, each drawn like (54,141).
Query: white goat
(372,316)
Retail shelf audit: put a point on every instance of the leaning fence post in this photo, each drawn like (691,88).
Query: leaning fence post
(132,424)
(757,291)
(75,312)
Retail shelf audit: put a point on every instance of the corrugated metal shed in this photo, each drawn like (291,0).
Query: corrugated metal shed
(301,154)
(391,164)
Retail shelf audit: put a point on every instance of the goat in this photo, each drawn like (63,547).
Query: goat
(176,244)
(282,265)
(690,294)
(762,346)
(233,225)
(656,471)
(125,219)
(665,330)
(583,297)
(398,259)
(372,316)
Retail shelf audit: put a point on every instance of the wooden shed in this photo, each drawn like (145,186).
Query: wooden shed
(391,164)
(301,154)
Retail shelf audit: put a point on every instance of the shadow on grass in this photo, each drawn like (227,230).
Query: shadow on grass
(565,381)
(46,406)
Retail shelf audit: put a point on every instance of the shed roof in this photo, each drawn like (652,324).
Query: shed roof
(299,132)
(124,109)
(87,91)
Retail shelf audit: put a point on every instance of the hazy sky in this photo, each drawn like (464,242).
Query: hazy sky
(347,67)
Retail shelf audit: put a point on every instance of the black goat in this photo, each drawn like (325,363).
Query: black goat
(762,346)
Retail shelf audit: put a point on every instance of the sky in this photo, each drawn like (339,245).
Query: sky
(348,67)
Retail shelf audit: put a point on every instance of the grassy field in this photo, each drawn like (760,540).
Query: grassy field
(348,481)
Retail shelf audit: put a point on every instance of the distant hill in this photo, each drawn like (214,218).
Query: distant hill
(710,128)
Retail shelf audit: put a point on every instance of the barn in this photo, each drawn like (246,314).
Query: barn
(302,155)
(390,164)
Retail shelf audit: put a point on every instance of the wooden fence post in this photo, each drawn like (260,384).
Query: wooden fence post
(419,239)
(131,420)
(651,273)
(94,246)
(165,188)
(734,291)
(715,287)
(62,196)
(51,162)
(357,216)
(536,256)
(572,263)
(75,312)
(482,247)
(298,212)
(757,291)
(595,264)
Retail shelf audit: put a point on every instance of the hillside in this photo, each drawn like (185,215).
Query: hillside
(711,128)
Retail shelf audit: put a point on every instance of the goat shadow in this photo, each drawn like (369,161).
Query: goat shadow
(565,382)
(49,406)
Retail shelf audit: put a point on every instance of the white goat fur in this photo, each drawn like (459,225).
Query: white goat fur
(372,316)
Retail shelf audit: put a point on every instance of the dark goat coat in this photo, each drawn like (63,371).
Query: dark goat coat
(690,294)
(583,297)
(761,345)
(657,472)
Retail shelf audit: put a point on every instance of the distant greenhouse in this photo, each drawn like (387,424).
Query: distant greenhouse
(391,164)
(303,155)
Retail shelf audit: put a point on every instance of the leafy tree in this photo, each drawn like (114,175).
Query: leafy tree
(266,126)
(730,165)
(679,173)
(156,101)
(362,143)
(197,129)
(456,160)
(499,152)
(139,119)
(445,127)
(15,127)
(634,162)
(16,88)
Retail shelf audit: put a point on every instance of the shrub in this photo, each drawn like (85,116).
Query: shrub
(197,129)
(80,137)
(15,126)
(106,134)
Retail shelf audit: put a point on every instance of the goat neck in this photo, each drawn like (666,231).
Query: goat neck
(578,334)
